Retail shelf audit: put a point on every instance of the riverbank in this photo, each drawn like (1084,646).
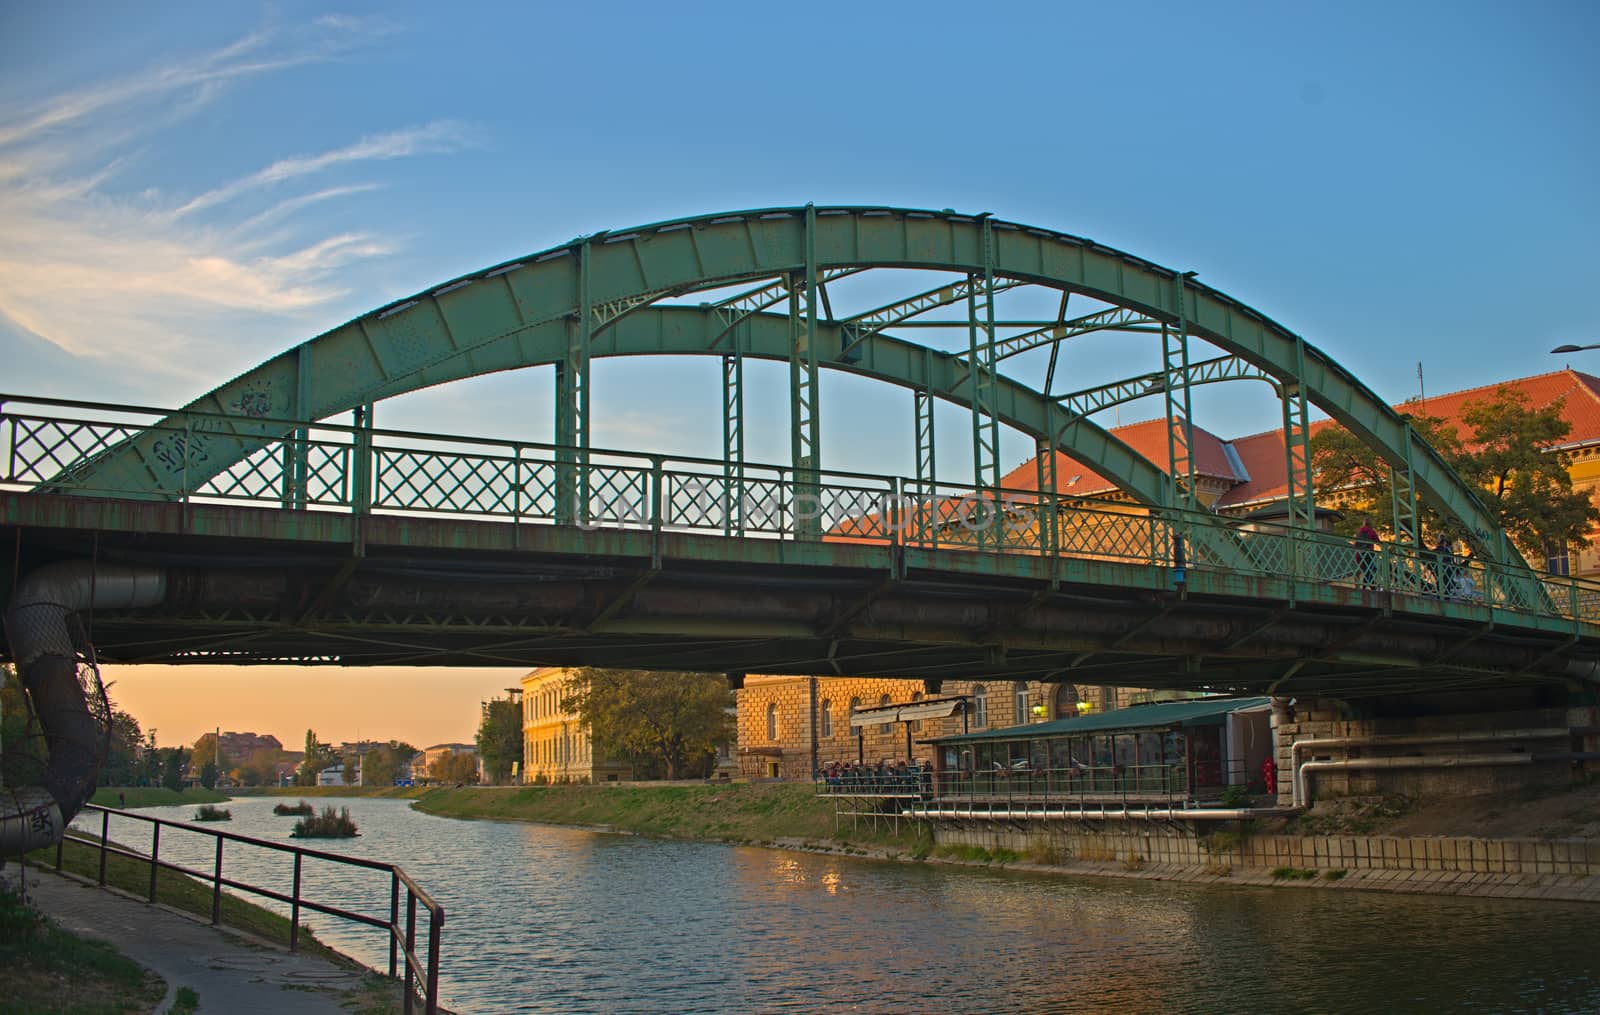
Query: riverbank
(791,816)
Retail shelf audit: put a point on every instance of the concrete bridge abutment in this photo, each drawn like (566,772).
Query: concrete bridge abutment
(1430,746)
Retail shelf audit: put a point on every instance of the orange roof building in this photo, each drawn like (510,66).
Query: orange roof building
(1245,474)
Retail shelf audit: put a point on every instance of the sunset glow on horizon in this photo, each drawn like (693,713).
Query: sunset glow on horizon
(420,706)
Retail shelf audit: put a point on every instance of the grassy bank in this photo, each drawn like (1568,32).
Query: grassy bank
(133,876)
(154,796)
(41,960)
(376,994)
(740,812)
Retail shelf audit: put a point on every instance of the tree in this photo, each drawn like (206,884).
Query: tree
(208,775)
(1356,476)
(318,756)
(204,751)
(121,767)
(454,767)
(382,765)
(259,769)
(23,755)
(1528,485)
(674,719)
(149,760)
(174,762)
(1506,457)
(500,738)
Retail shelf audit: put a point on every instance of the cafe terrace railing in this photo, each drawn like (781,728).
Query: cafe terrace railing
(1016,790)
(420,977)
(62,446)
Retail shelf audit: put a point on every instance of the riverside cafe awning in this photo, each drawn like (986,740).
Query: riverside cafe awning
(906,712)
(1192,745)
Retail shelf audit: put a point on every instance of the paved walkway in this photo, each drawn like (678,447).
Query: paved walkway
(232,972)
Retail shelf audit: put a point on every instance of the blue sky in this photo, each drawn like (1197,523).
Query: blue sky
(189,188)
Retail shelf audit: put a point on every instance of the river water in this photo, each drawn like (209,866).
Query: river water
(543,919)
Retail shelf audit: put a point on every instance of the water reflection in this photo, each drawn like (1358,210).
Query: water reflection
(556,920)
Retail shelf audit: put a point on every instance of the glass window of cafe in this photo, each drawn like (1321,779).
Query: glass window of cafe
(1146,748)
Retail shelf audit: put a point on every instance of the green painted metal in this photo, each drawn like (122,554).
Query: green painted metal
(903,313)
(650,495)
(1131,389)
(1180,425)
(498,319)
(1300,491)
(804,390)
(1115,319)
(733,457)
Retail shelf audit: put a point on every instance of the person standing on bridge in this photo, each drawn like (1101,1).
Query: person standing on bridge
(1367,554)
(1444,566)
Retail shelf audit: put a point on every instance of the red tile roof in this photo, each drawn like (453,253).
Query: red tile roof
(1149,439)
(1262,455)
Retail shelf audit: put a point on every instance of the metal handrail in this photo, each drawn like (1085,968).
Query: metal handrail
(402,939)
(1029,788)
(394,472)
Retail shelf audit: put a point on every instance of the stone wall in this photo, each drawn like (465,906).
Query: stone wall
(1314,719)
(1182,847)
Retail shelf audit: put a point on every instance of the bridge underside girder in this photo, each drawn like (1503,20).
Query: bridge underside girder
(253,586)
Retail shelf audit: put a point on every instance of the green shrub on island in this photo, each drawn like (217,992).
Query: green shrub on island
(210,813)
(294,810)
(327,825)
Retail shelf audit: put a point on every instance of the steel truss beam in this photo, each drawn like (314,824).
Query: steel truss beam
(1175,390)
(735,310)
(861,327)
(1297,448)
(804,394)
(572,404)
(1206,371)
(499,318)
(980,356)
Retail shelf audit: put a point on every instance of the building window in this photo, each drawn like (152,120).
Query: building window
(855,706)
(980,706)
(885,727)
(827,718)
(916,724)
(1556,559)
(1066,701)
(772,722)
(1019,701)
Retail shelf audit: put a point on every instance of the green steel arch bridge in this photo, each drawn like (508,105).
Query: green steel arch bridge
(251,526)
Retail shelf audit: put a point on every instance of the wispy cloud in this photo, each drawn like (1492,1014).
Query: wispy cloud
(432,138)
(179,283)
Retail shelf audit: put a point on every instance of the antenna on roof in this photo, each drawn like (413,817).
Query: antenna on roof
(1422,391)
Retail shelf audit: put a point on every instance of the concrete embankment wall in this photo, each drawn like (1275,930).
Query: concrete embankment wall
(1182,847)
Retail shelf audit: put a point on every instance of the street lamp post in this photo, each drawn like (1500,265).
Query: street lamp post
(1574,348)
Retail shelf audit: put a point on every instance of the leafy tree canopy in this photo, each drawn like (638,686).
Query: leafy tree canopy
(1504,455)
(318,756)
(454,768)
(381,767)
(677,720)
(500,738)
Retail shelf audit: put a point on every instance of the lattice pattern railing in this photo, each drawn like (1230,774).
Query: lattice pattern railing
(99,450)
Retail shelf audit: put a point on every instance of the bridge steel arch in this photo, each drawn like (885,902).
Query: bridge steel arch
(597,296)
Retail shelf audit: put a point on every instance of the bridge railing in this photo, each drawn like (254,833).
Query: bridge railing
(65,446)
(420,977)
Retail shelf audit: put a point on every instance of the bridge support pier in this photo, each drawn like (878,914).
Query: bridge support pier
(1466,743)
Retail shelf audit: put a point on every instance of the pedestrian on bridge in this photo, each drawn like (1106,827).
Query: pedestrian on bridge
(1444,566)
(1366,544)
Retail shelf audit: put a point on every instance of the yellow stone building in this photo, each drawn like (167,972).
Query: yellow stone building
(555,749)
(789,727)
